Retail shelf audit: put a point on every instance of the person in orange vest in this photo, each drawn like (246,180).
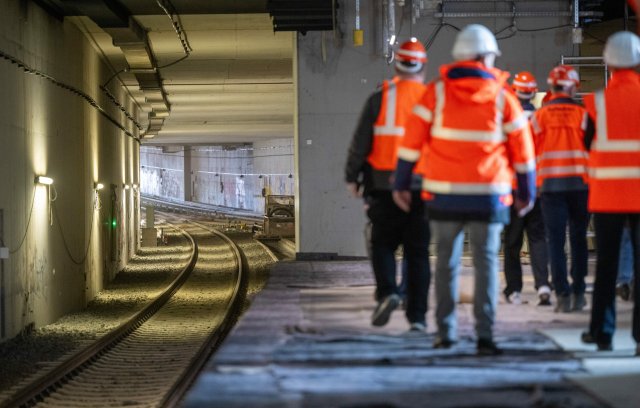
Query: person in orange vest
(614,183)
(525,87)
(372,158)
(471,133)
(559,128)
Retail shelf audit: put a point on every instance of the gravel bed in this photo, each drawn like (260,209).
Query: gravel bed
(24,357)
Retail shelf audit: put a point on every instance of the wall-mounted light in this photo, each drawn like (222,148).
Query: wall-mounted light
(98,186)
(44,180)
(260,176)
(126,186)
(134,186)
(290,175)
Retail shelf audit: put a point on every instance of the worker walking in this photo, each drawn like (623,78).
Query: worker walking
(372,157)
(525,88)
(473,132)
(614,183)
(559,128)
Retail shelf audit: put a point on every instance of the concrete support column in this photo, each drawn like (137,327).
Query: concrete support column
(188,192)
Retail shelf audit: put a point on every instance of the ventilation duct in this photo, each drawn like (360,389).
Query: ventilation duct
(302,15)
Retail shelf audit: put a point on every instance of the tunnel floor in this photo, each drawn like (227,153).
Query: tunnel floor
(307,342)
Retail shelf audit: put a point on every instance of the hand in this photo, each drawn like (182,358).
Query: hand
(523,207)
(354,190)
(403,200)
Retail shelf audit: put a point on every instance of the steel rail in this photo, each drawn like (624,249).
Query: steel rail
(75,364)
(215,339)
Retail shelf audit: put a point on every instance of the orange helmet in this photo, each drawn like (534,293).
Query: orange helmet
(411,56)
(563,75)
(525,85)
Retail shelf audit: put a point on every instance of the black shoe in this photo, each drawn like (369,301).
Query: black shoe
(443,343)
(623,291)
(487,347)
(384,309)
(589,338)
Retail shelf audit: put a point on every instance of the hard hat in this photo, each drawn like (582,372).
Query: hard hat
(563,75)
(472,41)
(525,85)
(622,50)
(411,56)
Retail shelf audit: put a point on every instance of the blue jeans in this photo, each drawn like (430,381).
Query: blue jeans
(625,266)
(485,244)
(558,209)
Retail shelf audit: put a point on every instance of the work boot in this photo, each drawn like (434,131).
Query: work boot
(544,296)
(384,309)
(487,347)
(589,338)
(578,302)
(563,304)
(443,343)
(623,291)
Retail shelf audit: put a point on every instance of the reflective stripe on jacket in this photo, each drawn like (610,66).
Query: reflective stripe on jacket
(614,161)
(474,134)
(398,99)
(558,132)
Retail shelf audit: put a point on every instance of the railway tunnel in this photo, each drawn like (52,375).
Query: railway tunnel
(248,108)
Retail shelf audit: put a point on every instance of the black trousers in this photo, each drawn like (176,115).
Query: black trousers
(608,228)
(390,227)
(533,224)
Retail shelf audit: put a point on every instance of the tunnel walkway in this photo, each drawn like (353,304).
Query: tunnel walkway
(307,341)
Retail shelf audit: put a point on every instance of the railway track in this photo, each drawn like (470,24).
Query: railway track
(152,359)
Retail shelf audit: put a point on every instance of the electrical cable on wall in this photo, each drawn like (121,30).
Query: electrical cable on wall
(27,69)
(26,229)
(176,22)
(64,240)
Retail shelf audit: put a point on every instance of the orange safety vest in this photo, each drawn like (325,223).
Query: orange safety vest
(398,99)
(614,162)
(558,134)
(475,134)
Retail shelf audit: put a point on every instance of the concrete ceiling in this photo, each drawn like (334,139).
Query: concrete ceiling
(236,85)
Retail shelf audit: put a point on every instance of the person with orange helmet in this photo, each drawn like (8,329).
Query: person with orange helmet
(559,128)
(525,87)
(475,136)
(371,159)
(614,183)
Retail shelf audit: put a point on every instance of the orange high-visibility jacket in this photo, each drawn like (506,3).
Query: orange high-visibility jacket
(398,99)
(559,128)
(474,133)
(614,162)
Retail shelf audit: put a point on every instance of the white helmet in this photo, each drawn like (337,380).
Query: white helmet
(622,50)
(472,41)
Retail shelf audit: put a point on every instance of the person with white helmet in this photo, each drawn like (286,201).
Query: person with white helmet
(525,87)
(614,183)
(371,159)
(475,136)
(559,128)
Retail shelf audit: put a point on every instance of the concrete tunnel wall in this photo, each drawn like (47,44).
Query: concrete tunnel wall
(335,78)
(230,177)
(48,130)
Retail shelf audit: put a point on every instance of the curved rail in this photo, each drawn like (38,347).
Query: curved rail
(234,308)
(72,366)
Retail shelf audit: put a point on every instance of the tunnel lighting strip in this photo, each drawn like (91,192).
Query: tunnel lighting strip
(69,88)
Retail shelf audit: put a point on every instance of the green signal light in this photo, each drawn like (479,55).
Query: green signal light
(114,223)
